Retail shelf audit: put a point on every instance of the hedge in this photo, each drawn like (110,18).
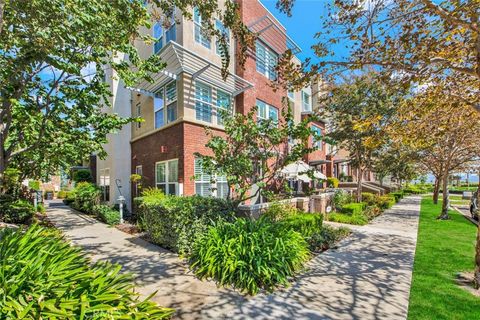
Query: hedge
(16,211)
(353,208)
(307,224)
(175,222)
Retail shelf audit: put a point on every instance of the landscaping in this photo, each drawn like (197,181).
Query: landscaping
(43,277)
(444,248)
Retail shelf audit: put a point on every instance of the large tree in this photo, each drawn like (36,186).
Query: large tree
(53,60)
(359,111)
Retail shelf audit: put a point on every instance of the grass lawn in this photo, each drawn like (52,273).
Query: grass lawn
(444,248)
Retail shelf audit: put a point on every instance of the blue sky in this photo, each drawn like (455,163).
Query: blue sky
(303,24)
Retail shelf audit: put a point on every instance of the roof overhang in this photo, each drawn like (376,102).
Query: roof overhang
(274,35)
(179,59)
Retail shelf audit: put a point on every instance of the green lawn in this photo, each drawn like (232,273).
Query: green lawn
(443,249)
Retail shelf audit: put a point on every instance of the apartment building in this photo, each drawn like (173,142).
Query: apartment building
(186,97)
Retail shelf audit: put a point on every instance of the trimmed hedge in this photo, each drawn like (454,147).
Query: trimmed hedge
(385,202)
(44,277)
(85,196)
(398,195)
(106,214)
(307,224)
(353,208)
(249,255)
(175,222)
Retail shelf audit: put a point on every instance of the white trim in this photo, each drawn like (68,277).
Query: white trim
(177,191)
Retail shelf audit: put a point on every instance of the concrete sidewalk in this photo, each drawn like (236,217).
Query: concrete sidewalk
(367,277)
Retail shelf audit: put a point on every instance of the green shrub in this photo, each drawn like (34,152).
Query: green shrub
(277,211)
(69,197)
(15,210)
(369,198)
(341,198)
(175,222)
(327,237)
(372,211)
(353,208)
(34,184)
(332,182)
(357,218)
(307,224)
(83,175)
(85,195)
(62,194)
(43,277)
(41,208)
(249,255)
(397,195)
(106,214)
(385,202)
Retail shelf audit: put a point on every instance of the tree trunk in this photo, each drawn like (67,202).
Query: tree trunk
(436,190)
(359,184)
(445,198)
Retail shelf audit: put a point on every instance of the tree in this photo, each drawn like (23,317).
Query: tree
(359,111)
(53,60)
(444,131)
(251,153)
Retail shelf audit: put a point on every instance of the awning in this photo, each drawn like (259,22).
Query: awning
(317,162)
(274,35)
(179,59)
(298,170)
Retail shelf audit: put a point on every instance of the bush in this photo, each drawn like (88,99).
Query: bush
(397,195)
(83,175)
(249,254)
(17,211)
(43,277)
(385,202)
(341,198)
(41,208)
(34,184)
(307,224)
(332,182)
(357,218)
(369,198)
(62,194)
(175,222)
(69,197)
(86,195)
(327,237)
(278,211)
(353,208)
(106,214)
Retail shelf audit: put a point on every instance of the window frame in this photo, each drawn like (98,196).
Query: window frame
(167,183)
(213,182)
(226,32)
(307,103)
(164,31)
(204,40)
(317,143)
(268,107)
(105,188)
(167,104)
(213,103)
(269,61)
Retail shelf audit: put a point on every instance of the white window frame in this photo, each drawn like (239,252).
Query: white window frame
(291,94)
(203,39)
(139,114)
(103,184)
(163,36)
(167,182)
(212,181)
(166,104)
(269,61)
(226,32)
(213,103)
(306,103)
(318,144)
(268,107)
(139,170)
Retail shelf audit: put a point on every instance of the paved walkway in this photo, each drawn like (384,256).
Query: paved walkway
(367,277)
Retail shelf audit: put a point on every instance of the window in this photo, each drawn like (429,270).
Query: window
(225,32)
(306,105)
(266,112)
(166,96)
(317,141)
(139,114)
(205,186)
(164,33)
(291,94)
(105,184)
(266,61)
(166,176)
(201,34)
(139,170)
(224,102)
(203,103)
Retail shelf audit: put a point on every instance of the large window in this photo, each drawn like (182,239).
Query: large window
(166,176)
(291,94)
(208,186)
(266,60)
(200,33)
(225,32)
(164,33)
(205,104)
(266,112)
(306,103)
(317,141)
(105,184)
(165,105)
